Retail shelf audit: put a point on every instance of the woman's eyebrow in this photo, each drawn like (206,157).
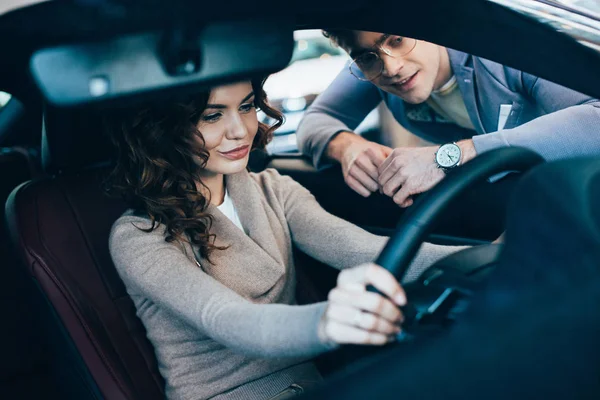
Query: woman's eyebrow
(247,97)
(222,106)
(217,106)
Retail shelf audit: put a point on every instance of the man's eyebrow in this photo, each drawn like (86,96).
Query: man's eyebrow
(360,51)
(222,106)
(379,42)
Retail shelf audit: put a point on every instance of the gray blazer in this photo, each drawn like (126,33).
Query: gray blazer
(548,118)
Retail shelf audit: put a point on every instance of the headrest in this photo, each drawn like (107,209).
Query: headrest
(73,139)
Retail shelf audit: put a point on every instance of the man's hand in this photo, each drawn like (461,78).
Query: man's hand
(412,170)
(409,171)
(360,160)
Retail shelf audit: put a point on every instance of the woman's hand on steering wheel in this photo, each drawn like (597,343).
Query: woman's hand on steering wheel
(357,316)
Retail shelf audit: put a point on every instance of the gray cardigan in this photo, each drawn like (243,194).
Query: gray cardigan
(232,329)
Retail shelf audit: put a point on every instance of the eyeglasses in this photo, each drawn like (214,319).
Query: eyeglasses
(369,66)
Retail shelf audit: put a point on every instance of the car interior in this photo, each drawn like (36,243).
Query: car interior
(70,329)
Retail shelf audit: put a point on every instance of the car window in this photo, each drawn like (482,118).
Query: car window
(314,65)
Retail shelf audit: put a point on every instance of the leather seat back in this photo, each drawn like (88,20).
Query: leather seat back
(61,226)
(20,345)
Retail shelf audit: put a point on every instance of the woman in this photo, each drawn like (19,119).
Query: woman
(206,253)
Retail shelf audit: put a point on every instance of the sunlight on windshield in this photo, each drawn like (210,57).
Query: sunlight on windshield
(4,98)
(579,19)
(589,5)
(10,5)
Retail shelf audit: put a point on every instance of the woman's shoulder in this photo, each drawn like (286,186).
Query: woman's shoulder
(131,225)
(131,217)
(132,237)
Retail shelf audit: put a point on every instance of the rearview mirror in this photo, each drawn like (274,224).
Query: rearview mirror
(151,64)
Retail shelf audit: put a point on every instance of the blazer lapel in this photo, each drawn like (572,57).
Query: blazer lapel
(465,77)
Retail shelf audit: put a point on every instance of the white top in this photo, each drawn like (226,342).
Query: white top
(448,102)
(228,209)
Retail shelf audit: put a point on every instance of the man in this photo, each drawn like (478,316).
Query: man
(467,104)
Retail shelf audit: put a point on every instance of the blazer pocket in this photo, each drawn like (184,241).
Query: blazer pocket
(514,118)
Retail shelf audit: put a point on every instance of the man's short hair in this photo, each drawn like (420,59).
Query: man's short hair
(343,38)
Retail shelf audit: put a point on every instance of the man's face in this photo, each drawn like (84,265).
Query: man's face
(413,76)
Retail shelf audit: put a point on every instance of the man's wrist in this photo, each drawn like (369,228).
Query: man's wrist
(467,149)
(338,145)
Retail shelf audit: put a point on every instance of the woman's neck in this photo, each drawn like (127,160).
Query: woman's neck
(216,186)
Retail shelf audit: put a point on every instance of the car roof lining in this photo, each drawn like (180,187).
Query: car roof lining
(474,26)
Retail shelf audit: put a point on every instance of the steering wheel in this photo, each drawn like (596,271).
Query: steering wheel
(443,290)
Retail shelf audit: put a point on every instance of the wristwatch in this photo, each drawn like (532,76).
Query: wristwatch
(448,156)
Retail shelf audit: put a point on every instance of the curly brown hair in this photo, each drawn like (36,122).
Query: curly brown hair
(156,164)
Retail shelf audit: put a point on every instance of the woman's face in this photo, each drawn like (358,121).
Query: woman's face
(228,126)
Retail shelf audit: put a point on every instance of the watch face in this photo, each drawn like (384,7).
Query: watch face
(448,155)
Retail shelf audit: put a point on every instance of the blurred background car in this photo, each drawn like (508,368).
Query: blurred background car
(315,64)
